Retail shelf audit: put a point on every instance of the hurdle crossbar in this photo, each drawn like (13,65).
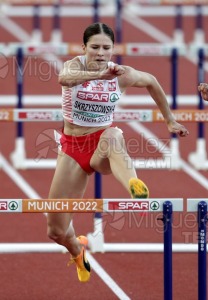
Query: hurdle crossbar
(141,115)
(128,49)
(140,2)
(126,100)
(86,205)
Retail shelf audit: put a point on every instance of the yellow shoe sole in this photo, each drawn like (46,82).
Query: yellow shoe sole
(138,188)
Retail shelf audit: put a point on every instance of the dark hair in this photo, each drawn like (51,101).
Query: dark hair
(97,28)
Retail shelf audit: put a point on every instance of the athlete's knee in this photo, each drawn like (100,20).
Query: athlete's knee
(56,233)
(112,140)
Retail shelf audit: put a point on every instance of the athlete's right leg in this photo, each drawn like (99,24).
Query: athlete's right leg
(69,182)
(111,156)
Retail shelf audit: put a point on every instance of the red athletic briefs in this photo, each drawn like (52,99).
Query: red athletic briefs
(81,148)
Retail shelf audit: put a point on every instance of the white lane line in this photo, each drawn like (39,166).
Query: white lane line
(31,193)
(13,28)
(195,174)
(18,179)
(155,33)
(107,279)
(22,35)
(162,148)
(146,27)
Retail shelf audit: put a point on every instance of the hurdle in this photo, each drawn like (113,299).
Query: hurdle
(136,50)
(167,206)
(56,34)
(55,115)
(105,205)
(132,49)
(200,206)
(198,158)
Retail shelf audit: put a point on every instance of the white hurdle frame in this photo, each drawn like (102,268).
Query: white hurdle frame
(95,243)
(172,161)
(106,247)
(168,161)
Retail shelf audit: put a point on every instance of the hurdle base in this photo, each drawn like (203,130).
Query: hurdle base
(96,242)
(199,37)
(96,238)
(199,158)
(56,37)
(32,163)
(41,164)
(31,248)
(175,159)
(178,37)
(36,38)
(17,157)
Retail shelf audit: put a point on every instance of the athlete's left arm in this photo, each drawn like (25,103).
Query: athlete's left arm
(203,89)
(135,78)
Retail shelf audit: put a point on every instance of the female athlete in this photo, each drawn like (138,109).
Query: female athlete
(91,87)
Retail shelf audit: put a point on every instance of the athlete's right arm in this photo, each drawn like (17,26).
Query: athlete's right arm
(73,74)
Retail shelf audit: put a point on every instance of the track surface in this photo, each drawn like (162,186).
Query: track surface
(140,275)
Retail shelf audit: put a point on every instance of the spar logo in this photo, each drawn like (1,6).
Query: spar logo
(13,205)
(36,115)
(8,206)
(128,205)
(89,96)
(114,97)
(154,205)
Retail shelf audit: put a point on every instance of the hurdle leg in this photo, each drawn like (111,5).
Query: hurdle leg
(167,220)
(174,143)
(199,158)
(199,34)
(36,34)
(178,32)
(56,35)
(202,255)
(18,155)
(96,238)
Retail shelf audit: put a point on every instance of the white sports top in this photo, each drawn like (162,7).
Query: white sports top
(91,103)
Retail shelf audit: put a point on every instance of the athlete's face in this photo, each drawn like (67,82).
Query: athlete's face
(99,50)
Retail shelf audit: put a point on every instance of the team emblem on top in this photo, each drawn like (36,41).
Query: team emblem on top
(112,86)
(86,84)
(99,87)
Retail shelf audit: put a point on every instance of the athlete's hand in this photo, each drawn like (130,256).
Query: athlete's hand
(203,89)
(175,127)
(112,71)
(117,70)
